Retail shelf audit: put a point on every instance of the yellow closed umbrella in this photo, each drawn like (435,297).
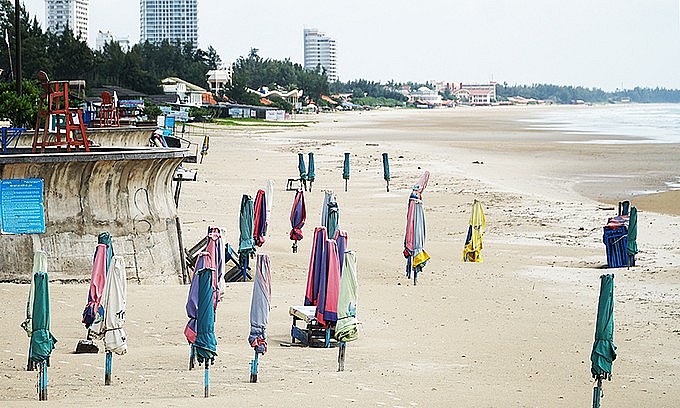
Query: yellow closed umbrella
(473,243)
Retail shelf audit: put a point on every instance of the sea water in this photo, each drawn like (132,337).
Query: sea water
(635,123)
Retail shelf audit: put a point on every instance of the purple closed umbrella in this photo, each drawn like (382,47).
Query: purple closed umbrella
(298,215)
(317,266)
(341,240)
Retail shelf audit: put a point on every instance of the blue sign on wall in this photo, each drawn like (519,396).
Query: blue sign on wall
(22,210)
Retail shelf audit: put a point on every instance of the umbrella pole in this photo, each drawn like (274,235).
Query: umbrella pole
(191,357)
(388,185)
(206,379)
(328,337)
(415,277)
(107,374)
(42,381)
(345,185)
(597,392)
(408,267)
(341,356)
(310,186)
(245,268)
(253,368)
(295,247)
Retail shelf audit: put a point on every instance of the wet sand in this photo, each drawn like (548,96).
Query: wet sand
(515,330)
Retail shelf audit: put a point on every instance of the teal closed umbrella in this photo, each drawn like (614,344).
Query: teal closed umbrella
(604,350)
(333,218)
(631,246)
(345,170)
(302,169)
(105,238)
(386,170)
(246,243)
(42,340)
(311,175)
(205,346)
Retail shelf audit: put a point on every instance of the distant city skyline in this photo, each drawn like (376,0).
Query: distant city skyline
(607,44)
(171,20)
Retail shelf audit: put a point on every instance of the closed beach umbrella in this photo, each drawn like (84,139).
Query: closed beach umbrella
(105,238)
(302,169)
(39,266)
(604,350)
(246,243)
(472,252)
(216,250)
(346,326)
(317,266)
(311,175)
(259,311)
(340,238)
(329,287)
(414,239)
(631,245)
(260,218)
(328,197)
(269,195)
(93,312)
(386,170)
(333,218)
(420,186)
(114,301)
(42,340)
(205,346)
(345,169)
(203,262)
(298,215)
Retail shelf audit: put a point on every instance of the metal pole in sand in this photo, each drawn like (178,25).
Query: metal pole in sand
(341,356)
(206,379)
(107,373)
(253,368)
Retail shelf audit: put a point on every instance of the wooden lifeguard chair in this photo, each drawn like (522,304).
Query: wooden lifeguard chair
(68,122)
(108,112)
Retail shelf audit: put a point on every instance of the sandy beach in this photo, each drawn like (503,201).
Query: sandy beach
(513,331)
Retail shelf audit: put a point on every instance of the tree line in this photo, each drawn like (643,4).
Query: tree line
(66,57)
(571,94)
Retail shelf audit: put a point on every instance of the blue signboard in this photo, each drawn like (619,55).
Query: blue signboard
(22,210)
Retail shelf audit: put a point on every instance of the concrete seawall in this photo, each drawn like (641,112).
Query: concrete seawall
(126,191)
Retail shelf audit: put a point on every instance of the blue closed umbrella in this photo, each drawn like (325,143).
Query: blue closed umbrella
(246,243)
(386,170)
(42,340)
(302,169)
(311,175)
(604,350)
(205,346)
(345,169)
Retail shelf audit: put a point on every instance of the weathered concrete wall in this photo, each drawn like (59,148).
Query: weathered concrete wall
(128,136)
(127,192)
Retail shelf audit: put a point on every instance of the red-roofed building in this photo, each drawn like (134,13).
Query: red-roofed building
(476,94)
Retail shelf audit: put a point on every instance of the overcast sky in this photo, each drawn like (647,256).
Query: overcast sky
(595,43)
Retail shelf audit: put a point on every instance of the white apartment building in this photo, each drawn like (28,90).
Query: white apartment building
(104,38)
(170,20)
(74,14)
(320,50)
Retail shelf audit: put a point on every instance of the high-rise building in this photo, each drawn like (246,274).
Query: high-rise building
(74,14)
(320,50)
(107,37)
(172,20)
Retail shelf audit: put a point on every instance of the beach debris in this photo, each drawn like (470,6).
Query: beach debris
(477,162)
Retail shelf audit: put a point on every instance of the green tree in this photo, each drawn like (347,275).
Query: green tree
(22,110)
